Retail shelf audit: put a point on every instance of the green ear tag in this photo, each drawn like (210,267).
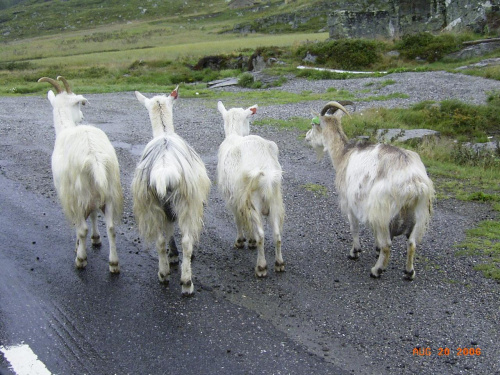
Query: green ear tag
(315,120)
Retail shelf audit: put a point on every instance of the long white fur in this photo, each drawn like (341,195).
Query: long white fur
(170,184)
(380,185)
(86,175)
(249,177)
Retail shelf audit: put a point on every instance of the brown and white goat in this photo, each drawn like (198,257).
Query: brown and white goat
(381,185)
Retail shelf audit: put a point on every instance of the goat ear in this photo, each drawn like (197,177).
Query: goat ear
(141,98)
(51,96)
(253,109)
(78,99)
(221,107)
(175,93)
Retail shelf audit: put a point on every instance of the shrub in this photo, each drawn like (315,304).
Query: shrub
(246,80)
(345,53)
(429,47)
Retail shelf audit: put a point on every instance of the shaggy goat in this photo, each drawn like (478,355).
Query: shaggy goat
(249,177)
(86,172)
(380,185)
(170,184)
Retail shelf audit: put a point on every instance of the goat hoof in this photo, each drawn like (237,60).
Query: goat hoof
(252,244)
(81,263)
(114,267)
(353,257)
(261,271)
(240,243)
(187,288)
(376,273)
(410,276)
(96,241)
(173,260)
(163,278)
(279,266)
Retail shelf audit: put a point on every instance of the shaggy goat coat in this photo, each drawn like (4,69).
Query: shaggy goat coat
(380,185)
(170,185)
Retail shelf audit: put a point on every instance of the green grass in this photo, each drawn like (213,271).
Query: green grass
(483,242)
(318,190)
(298,123)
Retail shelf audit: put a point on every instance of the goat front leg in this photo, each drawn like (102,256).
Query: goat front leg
(187,252)
(114,263)
(356,246)
(81,237)
(95,236)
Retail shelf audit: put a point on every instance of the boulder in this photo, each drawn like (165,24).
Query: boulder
(403,135)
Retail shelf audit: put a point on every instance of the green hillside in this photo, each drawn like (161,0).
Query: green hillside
(30,18)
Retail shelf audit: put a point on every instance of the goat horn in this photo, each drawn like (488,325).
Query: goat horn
(347,102)
(66,84)
(336,106)
(53,82)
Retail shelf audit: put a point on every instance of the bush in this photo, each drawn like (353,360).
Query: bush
(344,54)
(466,155)
(429,47)
(246,80)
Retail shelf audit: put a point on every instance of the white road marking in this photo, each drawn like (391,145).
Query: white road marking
(23,361)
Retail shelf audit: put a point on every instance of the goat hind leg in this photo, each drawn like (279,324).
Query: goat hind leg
(356,246)
(240,237)
(261,266)
(163,261)
(186,275)
(95,236)
(410,271)
(173,252)
(81,237)
(277,225)
(384,242)
(163,265)
(114,263)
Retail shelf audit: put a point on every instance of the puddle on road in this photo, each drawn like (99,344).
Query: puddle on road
(133,149)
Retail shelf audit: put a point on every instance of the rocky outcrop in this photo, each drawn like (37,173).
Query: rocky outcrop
(395,18)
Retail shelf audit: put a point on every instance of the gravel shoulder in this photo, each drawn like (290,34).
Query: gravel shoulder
(324,302)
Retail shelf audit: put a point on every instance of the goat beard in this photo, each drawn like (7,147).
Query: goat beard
(320,152)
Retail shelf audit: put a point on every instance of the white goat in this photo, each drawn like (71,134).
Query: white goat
(170,184)
(86,172)
(380,185)
(249,177)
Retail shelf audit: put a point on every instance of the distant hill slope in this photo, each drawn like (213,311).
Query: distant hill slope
(21,19)
(4,4)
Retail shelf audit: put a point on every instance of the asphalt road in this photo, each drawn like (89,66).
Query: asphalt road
(324,315)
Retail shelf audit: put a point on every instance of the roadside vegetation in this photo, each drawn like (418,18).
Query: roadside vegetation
(126,47)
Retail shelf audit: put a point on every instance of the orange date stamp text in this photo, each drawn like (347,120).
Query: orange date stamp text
(446,352)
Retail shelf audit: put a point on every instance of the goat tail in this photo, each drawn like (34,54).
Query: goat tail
(105,173)
(423,208)
(164,180)
(258,187)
